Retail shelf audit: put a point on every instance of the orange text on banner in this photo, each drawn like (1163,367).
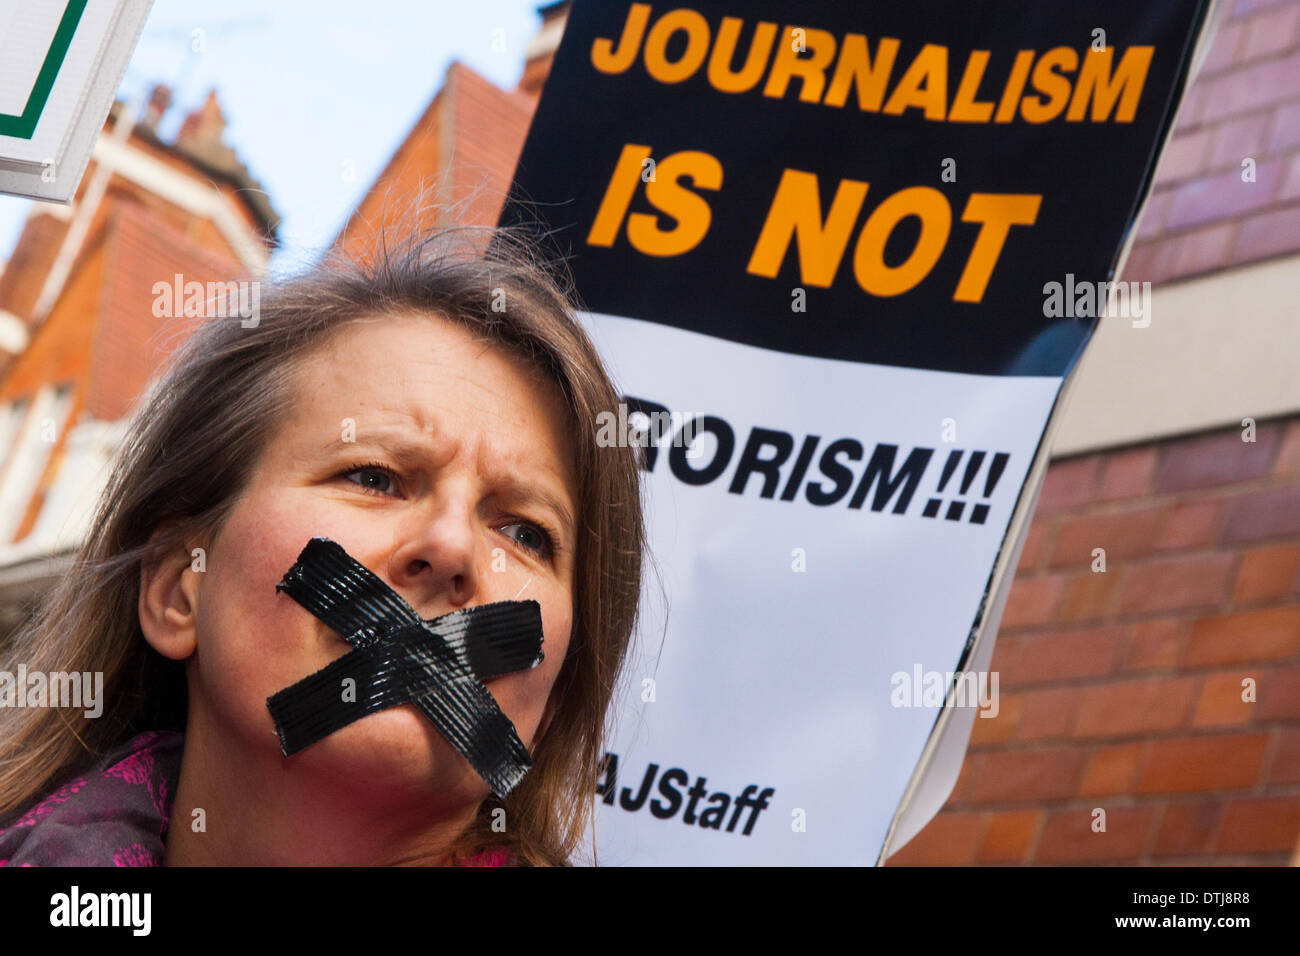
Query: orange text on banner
(795,216)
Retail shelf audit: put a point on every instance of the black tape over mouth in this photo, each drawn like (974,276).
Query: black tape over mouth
(398,658)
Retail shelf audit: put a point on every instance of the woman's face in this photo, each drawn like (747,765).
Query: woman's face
(445,468)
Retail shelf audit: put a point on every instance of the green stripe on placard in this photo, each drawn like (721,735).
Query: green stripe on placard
(24,126)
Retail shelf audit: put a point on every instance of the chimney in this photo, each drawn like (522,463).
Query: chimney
(541,48)
(160,98)
(206,125)
(201,135)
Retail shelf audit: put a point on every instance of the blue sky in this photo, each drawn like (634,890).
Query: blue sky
(308,86)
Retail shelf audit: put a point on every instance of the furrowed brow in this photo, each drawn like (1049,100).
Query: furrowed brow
(415,452)
(396,445)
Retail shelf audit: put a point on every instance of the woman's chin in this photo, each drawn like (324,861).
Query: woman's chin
(389,751)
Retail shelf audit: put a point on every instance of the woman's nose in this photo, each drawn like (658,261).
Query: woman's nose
(434,557)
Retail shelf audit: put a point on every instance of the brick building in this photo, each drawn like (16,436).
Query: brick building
(1123,690)
(79,337)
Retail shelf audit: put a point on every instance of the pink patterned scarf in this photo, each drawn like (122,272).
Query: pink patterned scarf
(116,814)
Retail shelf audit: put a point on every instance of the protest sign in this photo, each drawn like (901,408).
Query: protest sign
(841,259)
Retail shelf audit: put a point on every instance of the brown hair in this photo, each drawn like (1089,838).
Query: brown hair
(194,440)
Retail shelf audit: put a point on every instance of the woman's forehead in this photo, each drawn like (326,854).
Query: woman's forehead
(434,380)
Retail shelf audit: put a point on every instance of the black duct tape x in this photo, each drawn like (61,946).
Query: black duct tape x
(439,665)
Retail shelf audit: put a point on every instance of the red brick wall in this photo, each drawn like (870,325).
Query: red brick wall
(1122,689)
(1245,103)
(23,276)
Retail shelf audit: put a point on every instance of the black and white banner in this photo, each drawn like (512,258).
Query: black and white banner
(840,258)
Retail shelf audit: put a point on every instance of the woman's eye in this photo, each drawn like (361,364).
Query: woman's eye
(374,479)
(530,536)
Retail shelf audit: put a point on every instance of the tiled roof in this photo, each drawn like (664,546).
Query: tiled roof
(129,343)
(214,158)
(490,127)
(464,146)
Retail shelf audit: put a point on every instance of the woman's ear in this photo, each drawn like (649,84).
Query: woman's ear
(169,603)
